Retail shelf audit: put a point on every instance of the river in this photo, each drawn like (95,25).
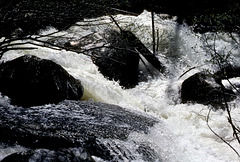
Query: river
(187,136)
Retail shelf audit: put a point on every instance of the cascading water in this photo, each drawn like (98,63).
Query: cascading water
(185,136)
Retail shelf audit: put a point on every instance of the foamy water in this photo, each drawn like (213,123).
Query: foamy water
(185,136)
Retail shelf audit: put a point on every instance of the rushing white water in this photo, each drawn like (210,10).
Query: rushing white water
(187,137)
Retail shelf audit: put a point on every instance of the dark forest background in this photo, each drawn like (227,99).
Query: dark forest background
(28,16)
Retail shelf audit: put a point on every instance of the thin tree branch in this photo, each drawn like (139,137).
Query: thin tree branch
(207,120)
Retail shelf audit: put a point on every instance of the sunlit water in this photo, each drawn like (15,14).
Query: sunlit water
(186,136)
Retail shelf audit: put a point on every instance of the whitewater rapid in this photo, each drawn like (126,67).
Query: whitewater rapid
(187,137)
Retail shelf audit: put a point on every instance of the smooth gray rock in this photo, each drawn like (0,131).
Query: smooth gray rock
(76,130)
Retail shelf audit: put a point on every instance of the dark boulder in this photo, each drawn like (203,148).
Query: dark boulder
(77,130)
(140,48)
(227,72)
(19,157)
(50,155)
(30,81)
(120,61)
(203,88)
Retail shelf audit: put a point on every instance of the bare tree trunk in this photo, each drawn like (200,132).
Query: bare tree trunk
(153,32)
(157,40)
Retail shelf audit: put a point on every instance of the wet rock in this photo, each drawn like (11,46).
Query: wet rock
(30,81)
(203,88)
(71,154)
(227,72)
(120,61)
(19,156)
(76,130)
(139,47)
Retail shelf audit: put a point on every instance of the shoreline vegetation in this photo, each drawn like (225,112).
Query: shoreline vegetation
(29,16)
